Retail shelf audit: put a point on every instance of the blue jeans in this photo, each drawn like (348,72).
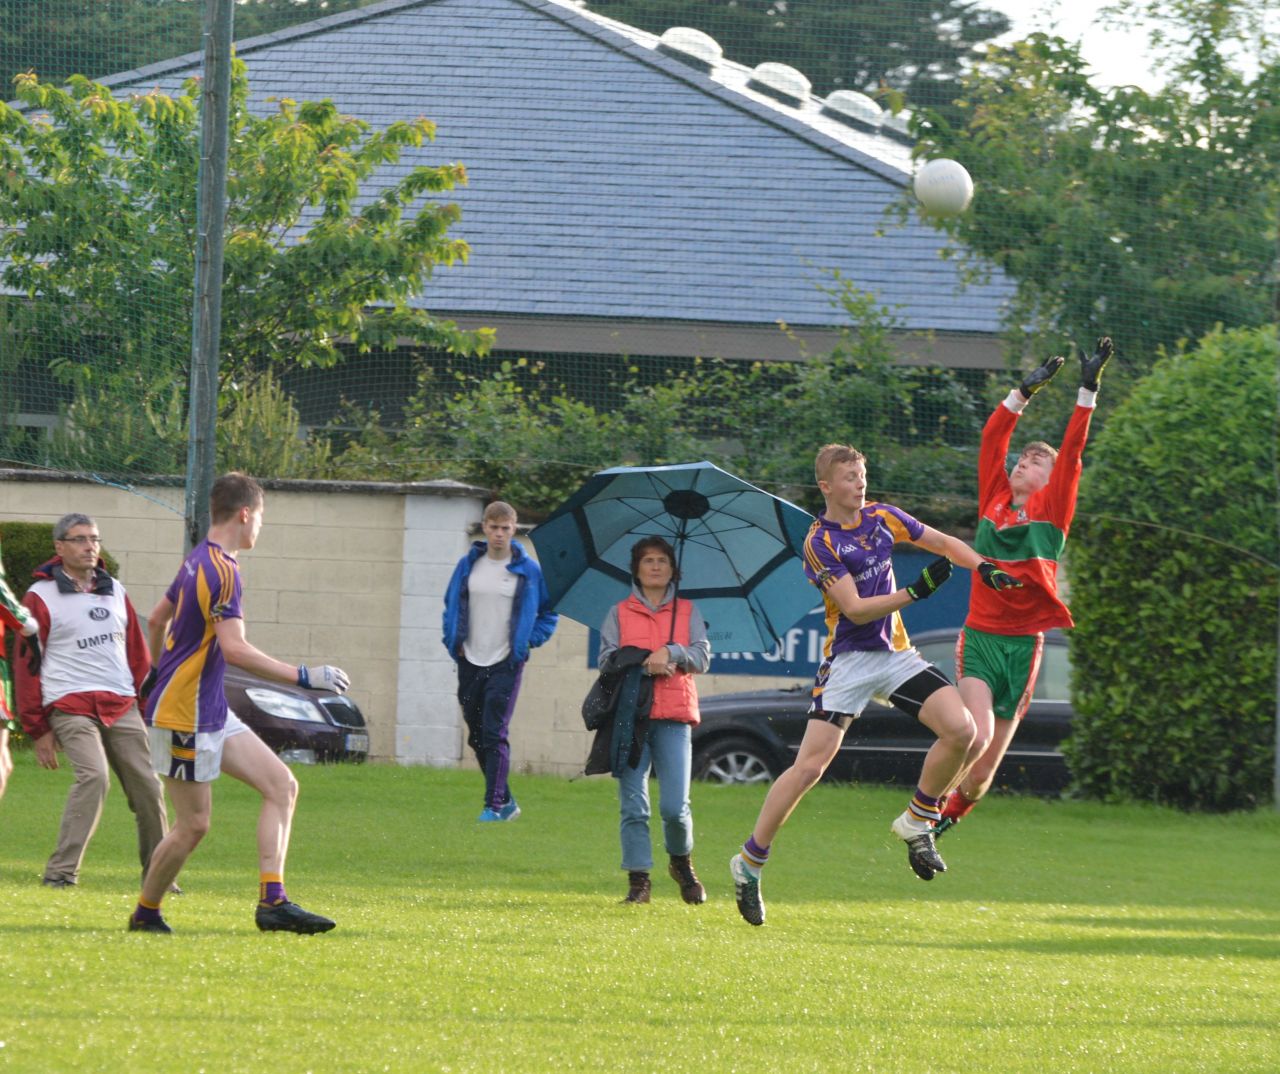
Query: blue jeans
(488,697)
(667,747)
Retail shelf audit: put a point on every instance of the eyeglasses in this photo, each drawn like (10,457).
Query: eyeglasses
(81,540)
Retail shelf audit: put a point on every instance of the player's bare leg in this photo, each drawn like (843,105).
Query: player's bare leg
(247,758)
(192,813)
(944,713)
(977,778)
(818,748)
(6,760)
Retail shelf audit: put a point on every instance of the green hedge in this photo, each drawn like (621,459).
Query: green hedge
(1175,584)
(25,545)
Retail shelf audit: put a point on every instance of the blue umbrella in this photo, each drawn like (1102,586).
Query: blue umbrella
(737,548)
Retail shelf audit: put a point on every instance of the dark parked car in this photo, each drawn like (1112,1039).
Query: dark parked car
(304,726)
(753,737)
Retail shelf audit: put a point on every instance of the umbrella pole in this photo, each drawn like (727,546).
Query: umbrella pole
(675,596)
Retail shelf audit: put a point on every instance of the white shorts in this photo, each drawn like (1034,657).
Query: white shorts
(196,757)
(847,682)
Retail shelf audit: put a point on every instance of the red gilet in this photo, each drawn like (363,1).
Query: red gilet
(674,697)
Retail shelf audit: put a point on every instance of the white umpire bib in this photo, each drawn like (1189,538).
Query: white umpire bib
(85,650)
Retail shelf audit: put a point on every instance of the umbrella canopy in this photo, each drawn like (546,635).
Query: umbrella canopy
(737,548)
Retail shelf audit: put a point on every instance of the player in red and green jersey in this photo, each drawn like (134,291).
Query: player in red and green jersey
(1025,515)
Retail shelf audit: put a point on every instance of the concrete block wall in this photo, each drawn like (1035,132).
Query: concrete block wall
(332,579)
(428,722)
(354,574)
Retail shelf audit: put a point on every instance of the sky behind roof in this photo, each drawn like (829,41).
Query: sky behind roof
(1120,57)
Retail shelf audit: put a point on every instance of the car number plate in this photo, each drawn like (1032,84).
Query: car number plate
(358,743)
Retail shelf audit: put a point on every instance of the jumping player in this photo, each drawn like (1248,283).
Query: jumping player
(847,555)
(1024,518)
(195,630)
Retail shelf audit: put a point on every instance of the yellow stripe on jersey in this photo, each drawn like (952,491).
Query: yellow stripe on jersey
(223,564)
(177,610)
(900,640)
(176,709)
(893,523)
(811,557)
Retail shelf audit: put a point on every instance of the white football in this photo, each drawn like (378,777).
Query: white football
(944,187)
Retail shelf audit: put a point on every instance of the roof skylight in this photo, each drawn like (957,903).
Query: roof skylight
(692,47)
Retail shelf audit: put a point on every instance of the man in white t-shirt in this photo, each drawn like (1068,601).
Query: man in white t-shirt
(495,610)
(81,696)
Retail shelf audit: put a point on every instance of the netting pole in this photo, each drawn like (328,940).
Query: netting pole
(211,197)
(1275,440)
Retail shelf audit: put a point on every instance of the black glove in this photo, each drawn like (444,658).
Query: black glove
(997,579)
(32,642)
(1038,378)
(930,579)
(1091,368)
(148,684)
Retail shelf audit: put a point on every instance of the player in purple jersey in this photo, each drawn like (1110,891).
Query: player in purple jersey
(195,630)
(847,555)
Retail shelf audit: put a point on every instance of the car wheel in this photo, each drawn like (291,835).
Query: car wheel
(735,760)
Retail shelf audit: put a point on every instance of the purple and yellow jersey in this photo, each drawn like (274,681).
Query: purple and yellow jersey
(188,695)
(865,551)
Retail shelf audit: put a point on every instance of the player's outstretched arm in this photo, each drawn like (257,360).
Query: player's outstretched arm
(1091,366)
(960,553)
(857,609)
(238,652)
(1040,376)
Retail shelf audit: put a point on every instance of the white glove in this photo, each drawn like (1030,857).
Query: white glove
(325,677)
(30,625)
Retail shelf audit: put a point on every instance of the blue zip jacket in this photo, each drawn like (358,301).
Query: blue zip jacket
(532,620)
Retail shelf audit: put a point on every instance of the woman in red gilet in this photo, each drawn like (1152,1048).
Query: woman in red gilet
(653,617)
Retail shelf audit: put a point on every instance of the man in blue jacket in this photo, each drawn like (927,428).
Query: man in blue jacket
(495,610)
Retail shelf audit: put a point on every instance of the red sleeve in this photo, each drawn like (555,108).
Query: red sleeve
(136,647)
(1059,503)
(993,472)
(27,686)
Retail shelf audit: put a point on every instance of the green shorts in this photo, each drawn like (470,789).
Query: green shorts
(1008,663)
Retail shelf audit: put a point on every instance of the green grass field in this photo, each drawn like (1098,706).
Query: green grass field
(1066,937)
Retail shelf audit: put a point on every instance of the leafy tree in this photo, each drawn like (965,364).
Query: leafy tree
(97,219)
(1175,569)
(517,430)
(1150,216)
(55,39)
(917,48)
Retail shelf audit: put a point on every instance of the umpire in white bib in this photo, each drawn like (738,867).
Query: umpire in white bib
(80,695)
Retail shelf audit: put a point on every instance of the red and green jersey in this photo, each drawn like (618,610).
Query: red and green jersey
(1026,541)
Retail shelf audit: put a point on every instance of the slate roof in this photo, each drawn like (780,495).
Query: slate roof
(610,180)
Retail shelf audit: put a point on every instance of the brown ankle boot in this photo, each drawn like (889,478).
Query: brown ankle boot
(681,870)
(639,890)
